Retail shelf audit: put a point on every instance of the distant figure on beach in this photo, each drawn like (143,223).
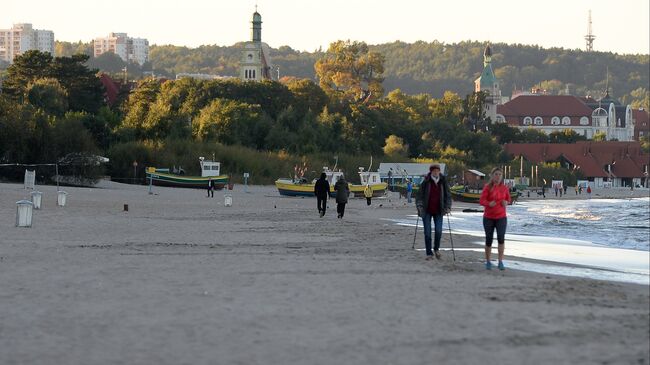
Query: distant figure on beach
(367,192)
(409,190)
(433,201)
(322,192)
(342,192)
(495,198)
(210,188)
(580,190)
(565,189)
(589,192)
(576,189)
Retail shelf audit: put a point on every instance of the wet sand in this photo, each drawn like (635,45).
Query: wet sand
(181,279)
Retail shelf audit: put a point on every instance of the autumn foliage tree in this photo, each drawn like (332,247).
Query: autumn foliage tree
(351,70)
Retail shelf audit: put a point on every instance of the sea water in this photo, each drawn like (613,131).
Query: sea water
(619,223)
(608,238)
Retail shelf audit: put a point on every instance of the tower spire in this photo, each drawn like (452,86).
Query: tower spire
(589,38)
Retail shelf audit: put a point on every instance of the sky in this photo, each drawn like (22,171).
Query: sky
(620,26)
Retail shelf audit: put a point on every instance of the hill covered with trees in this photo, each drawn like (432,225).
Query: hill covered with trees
(427,67)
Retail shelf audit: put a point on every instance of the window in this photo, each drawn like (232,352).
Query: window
(566,121)
(539,121)
(528,121)
(584,121)
(555,121)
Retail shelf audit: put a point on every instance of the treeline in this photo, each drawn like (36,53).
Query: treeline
(433,67)
(53,108)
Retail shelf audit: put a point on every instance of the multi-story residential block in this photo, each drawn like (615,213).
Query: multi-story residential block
(129,49)
(22,38)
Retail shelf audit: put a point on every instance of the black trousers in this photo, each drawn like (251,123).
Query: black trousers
(489,225)
(368,201)
(340,209)
(210,192)
(322,204)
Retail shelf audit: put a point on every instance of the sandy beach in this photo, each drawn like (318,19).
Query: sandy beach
(182,279)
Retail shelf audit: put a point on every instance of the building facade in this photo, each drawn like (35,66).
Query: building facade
(22,38)
(255,64)
(129,49)
(551,113)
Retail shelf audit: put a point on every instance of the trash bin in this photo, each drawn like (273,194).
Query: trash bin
(61,197)
(227,200)
(24,213)
(37,197)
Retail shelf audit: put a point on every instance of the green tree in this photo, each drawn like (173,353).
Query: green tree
(565,136)
(48,94)
(229,122)
(308,96)
(27,68)
(85,91)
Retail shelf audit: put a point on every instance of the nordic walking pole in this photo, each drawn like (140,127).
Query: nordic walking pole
(416,232)
(451,239)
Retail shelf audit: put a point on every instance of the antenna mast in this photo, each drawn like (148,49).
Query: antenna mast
(590,36)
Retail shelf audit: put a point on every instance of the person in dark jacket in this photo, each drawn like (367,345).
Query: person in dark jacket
(210,188)
(433,201)
(342,192)
(322,191)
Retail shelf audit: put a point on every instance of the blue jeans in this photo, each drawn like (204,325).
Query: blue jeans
(437,222)
(408,196)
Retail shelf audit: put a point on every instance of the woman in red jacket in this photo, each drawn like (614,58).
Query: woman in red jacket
(495,197)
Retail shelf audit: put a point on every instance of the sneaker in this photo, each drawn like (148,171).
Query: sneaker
(488,265)
(429,257)
(322,214)
(501,266)
(438,255)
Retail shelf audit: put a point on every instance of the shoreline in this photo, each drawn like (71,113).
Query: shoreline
(180,278)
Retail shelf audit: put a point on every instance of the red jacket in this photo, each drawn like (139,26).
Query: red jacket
(498,194)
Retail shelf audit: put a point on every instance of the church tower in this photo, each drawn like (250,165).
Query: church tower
(489,84)
(255,64)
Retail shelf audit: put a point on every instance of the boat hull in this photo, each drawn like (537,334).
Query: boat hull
(179,181)
(289,188)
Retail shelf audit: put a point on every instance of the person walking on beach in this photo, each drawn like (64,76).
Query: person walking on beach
(322,191)
(342,192)
(589,192)
(433,200)
(367,192)
(576,189)
(409,190)
(210,188)
(495,198)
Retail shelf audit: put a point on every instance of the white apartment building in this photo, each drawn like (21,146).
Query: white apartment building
(129,49)
(23,37)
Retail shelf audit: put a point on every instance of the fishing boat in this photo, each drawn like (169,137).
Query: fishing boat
(300,186)
(465,194)
(210,170)
(368,178)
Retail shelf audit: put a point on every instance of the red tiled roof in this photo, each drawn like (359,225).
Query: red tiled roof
(111,87)
(626,158)
(544,106)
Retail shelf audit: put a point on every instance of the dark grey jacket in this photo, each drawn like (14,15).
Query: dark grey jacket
(342,191)
(422,198)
